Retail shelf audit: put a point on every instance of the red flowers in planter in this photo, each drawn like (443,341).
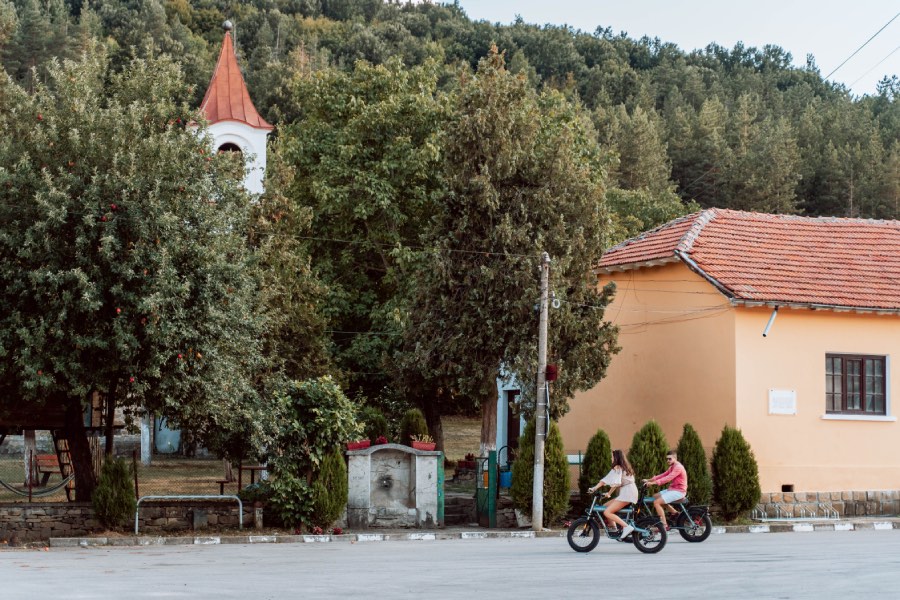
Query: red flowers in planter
(381,440)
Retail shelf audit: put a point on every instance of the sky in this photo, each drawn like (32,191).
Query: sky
(830,30)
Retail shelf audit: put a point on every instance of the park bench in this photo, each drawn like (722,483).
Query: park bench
(228,478)
(46,465)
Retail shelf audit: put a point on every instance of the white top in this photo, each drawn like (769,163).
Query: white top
(628,491)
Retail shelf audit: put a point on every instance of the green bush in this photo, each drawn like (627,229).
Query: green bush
(735,475)
(374,424)
(693,457)
(556,474)
(596,462)
(114,499)
(413,423)
(291,499)
(313,417)
(647,454)
(330,490)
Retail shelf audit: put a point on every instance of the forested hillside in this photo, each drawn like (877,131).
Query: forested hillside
(420,164)
(737,128)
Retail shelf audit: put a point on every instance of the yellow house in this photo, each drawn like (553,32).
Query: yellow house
(784,327)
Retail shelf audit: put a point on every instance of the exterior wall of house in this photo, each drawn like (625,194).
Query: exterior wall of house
(677,363)
(805,450)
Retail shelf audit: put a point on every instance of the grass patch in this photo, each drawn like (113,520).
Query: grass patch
(462,435)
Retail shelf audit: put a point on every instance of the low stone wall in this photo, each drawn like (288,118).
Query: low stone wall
(33,522)
(868,503)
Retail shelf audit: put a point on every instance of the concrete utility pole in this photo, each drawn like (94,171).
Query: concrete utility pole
(540,413)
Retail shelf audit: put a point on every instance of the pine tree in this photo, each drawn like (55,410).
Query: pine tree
(735,475)
(693,457)
(596,462)
(647,454)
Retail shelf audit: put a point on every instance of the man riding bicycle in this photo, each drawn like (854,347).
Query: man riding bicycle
(676,490)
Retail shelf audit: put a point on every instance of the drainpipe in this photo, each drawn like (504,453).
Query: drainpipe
(771,320)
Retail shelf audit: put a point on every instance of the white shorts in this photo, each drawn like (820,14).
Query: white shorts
(669,496)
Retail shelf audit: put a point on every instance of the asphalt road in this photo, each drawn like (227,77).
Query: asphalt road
(820,565)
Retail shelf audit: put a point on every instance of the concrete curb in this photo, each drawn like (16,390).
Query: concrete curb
(475,534)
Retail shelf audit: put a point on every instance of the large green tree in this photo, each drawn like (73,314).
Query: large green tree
(524,175)
(366,164)
(124,269)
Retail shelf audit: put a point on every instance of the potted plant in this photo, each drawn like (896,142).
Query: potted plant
(358,445)
(423,442)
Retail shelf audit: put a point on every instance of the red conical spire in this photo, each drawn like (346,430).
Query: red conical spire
(227,98)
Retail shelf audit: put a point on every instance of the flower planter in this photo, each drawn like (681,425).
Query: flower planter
(423,445)
(358,445)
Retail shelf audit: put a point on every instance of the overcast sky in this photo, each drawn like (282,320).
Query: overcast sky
(830,30)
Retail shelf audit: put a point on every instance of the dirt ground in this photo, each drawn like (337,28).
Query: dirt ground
(461,436)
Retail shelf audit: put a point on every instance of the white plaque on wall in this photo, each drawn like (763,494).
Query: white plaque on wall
(782,402)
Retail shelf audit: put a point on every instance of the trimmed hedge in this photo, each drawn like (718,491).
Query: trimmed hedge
(596,462)
(692,455)
(647,454)
(556,474)
(735,475)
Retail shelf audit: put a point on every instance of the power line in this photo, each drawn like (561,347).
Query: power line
(863,46)
(876,66)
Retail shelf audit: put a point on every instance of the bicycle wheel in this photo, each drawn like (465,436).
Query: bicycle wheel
(697,528)
(583,534)
(654,540)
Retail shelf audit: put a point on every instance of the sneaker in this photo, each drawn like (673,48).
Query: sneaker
(626,532)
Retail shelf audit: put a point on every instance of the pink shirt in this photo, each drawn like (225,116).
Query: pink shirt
(677,475)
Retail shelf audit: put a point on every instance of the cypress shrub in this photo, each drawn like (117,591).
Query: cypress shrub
(330,490)
(374,423)
(412,423)
(647,454)
(735,475)
(693,457)
(556,474)
(596,462)
(522,487)
(113,499)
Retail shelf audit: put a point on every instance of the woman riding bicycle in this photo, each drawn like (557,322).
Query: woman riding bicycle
(620,477)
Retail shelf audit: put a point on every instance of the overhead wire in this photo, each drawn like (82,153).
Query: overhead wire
(875,67)
(863,46)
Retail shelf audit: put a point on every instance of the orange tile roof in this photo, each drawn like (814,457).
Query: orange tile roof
(780,259)
(227,98)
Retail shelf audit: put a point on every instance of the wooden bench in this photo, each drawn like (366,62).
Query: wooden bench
(227,478)
(47,465)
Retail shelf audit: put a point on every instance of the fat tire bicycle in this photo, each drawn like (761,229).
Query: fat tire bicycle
(649,535)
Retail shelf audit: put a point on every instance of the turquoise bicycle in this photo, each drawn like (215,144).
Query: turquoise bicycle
(649,535)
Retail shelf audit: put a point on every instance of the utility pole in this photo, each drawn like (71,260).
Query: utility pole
(541,412)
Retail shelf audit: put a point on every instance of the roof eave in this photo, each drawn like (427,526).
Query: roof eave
(816,306)
(635,265)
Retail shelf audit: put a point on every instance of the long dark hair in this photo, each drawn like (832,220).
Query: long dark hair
(619,460)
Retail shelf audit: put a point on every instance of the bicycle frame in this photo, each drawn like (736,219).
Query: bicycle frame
(683,507)
(630,514)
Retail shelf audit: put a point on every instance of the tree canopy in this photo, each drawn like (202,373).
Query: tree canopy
(123,263)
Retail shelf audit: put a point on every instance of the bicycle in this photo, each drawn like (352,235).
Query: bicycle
(692,521)
(649,535)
